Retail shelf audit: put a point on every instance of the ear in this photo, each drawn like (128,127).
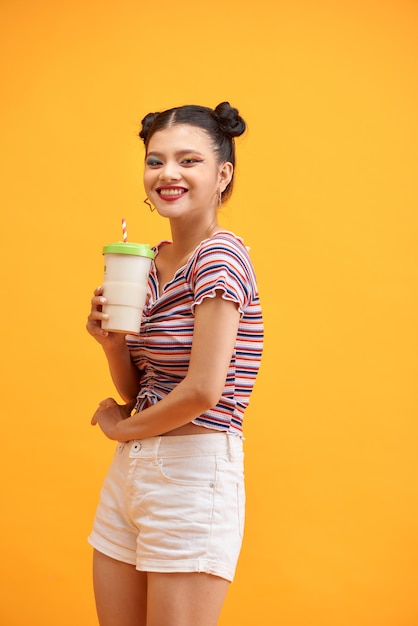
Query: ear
(225,174)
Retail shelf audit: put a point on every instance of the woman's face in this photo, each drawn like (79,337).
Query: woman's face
(182,176)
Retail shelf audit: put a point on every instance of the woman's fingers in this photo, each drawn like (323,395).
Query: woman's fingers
(108,402)
(96,314)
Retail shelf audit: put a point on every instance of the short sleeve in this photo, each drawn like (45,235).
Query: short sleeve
(222,263)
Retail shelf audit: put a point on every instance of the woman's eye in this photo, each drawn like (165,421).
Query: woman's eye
(153,163)
(190,161)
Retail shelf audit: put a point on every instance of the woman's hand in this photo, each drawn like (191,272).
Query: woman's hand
(105,338)
(109,414)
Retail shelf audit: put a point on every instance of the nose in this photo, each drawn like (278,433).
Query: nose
(169,172)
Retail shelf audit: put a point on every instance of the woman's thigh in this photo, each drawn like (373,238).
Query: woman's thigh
(120,592)
(185,599)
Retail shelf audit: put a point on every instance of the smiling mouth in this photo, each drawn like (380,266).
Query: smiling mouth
(171,192)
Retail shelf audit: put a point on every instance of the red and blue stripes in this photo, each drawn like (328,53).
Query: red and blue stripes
(162,349)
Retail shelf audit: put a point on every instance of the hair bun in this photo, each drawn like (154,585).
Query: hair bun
(229,120)
(147,122)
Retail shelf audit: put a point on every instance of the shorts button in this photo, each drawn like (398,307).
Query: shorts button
(136,447)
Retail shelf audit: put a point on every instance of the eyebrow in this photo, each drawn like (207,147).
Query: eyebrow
(180,153)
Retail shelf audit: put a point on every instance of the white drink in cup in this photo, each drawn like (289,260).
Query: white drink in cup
(125,284)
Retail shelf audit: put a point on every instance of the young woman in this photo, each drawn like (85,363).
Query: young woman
(169,524)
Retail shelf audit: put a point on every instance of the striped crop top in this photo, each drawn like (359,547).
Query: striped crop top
(162,349)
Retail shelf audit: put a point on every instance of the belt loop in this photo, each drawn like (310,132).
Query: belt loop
(156,449)
(230,447)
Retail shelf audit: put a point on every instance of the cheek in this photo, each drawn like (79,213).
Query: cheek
(147,180)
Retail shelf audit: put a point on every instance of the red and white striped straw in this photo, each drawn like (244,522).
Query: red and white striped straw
(124,231)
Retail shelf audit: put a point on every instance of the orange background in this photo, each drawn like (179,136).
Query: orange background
(326,196)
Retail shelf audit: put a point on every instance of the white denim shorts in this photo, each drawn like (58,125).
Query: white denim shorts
(174,504)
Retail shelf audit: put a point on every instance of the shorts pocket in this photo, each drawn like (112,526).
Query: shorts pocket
(189,470)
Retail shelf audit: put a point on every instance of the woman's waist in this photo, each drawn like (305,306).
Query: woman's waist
(190,429)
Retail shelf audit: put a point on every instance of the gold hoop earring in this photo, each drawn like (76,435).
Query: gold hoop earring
(148,203)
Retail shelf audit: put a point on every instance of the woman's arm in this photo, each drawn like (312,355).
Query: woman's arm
(215,331)
(124,373)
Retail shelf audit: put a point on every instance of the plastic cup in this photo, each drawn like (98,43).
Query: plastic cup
(125,285)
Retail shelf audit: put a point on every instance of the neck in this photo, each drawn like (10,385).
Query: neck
(186,237)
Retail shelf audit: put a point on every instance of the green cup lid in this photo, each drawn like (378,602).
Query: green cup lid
(137,249)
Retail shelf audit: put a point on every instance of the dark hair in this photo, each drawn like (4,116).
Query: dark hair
(222,124)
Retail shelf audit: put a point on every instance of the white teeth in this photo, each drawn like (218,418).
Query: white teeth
(171,192)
